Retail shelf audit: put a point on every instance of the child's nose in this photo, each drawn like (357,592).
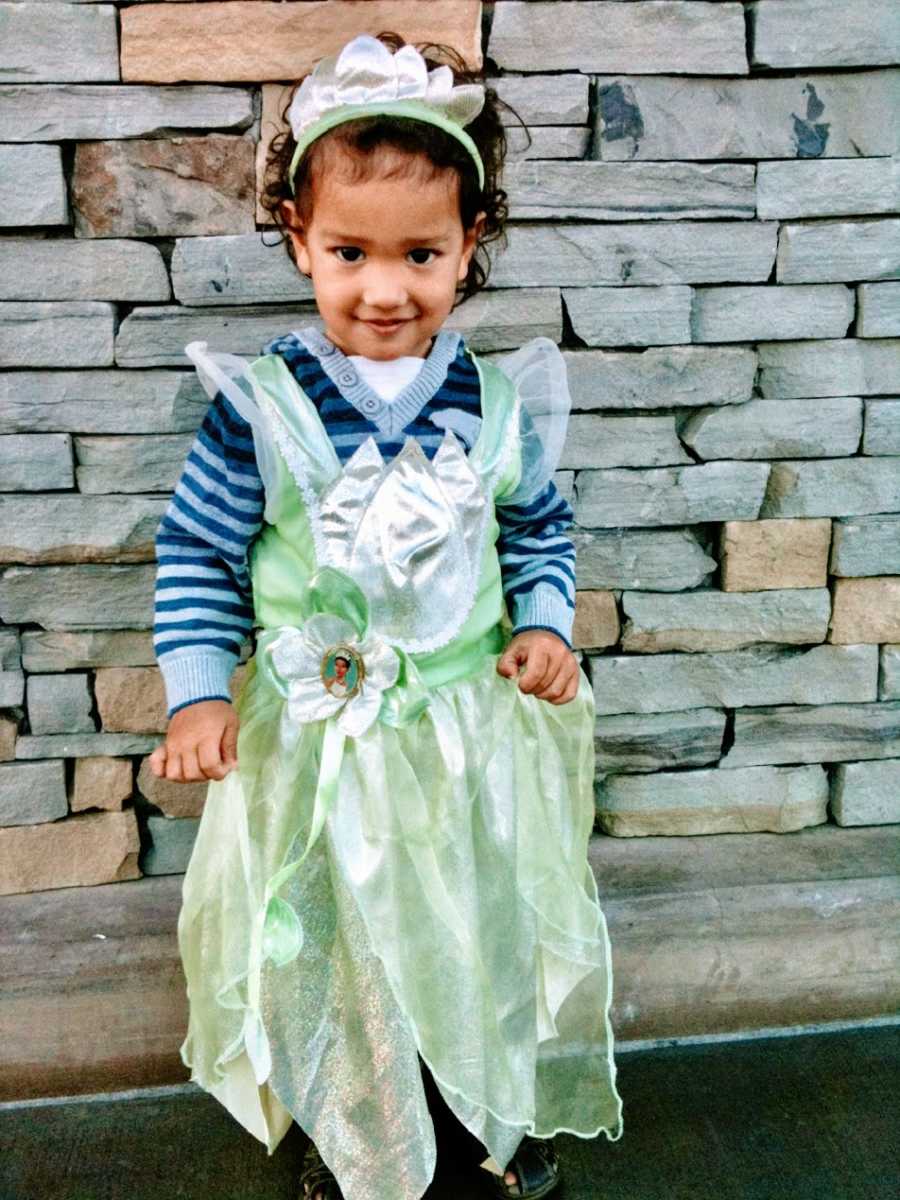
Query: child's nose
(384,289)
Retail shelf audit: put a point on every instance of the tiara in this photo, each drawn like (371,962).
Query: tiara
(367,78)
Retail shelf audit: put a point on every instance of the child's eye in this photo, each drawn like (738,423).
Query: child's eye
(353,250)
(422,250)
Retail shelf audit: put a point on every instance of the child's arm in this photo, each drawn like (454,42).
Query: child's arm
(537,562)
(203,610)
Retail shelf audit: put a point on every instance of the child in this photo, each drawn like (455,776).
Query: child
(388,906)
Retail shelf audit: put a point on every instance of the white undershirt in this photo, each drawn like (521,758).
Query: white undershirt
(387,378)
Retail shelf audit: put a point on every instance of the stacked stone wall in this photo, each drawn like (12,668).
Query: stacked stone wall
(706,221)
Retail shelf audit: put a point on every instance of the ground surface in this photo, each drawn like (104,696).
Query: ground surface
(799,1117)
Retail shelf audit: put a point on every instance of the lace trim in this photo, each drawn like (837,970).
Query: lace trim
(294,459)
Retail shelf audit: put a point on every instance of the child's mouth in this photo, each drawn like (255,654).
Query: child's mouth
(385,326)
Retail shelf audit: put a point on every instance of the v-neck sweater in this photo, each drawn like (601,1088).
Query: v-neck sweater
(203,600)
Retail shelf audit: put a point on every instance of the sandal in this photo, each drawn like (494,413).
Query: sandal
(317,1179)
(536,1167)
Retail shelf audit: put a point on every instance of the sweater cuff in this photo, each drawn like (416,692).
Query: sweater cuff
(194,676)
(544,607)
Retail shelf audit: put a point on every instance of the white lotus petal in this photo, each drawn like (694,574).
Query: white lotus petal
(326,629)
(382,663)
(293,656)
(360,712)
(308,700)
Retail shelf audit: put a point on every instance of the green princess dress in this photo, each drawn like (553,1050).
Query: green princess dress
(398,864)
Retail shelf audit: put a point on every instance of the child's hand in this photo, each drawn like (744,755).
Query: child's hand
(551,669)
(201,743)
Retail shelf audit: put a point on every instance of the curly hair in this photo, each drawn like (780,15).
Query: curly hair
(427,147)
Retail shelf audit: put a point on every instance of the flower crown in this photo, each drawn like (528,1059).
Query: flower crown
(366,78)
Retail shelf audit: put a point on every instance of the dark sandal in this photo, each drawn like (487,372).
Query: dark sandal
(536,1167)
(317,1180)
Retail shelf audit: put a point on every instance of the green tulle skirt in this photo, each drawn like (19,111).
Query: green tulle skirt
(447,909)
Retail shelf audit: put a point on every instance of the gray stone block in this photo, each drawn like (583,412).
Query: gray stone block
(879,310)
(839,115)
(882,426)
(838,487)
(126,463)
(752,314)
(42,112)
(544,99)
(664,561)
(814,733)
(32,462)
(890,672)
(777,799)
(838,367)
(636,254)
(656,741)
(89,596)
(735,678)
(59,704)
(240,269)
(614,316)
(12,688)
(663,377)
(633,441)
(609,191)
(68,269)
(44,650)
(708,619)
(849,251)
(718,491)
(10,649)
(173,841)
(54,43)
(56,334)
(34,792)
(547,141)
(769,429)
(863,546)
(866,793)
(39,530)
(84,745)
(824,33)
(812,188)
(32,187)
(591,35)
(101,401)
(164,187)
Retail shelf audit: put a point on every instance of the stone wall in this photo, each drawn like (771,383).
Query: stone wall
(706,221)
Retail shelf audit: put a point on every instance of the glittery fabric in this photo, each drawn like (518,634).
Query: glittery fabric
(448,908)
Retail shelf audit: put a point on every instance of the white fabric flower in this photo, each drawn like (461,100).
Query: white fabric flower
(366,72)
(300,656)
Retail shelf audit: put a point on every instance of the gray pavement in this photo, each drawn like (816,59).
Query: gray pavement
(801,1117)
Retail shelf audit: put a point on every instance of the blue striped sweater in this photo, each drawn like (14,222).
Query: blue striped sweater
(203,600)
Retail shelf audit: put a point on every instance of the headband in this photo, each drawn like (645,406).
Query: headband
(366,79)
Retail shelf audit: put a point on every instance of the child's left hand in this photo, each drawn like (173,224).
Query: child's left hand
(551,669)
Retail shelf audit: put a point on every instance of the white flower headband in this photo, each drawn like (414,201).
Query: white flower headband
(366,78)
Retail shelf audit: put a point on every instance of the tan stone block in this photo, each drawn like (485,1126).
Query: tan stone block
(174,799)
(101,782)
(866,610)
(8,732)
(164,187)
(170,43)
(131,699)
(76,852)
(787,552)
(596,620)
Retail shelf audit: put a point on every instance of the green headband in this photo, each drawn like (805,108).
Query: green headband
(399,108)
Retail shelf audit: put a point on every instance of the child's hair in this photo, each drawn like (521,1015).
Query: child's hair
(359,138)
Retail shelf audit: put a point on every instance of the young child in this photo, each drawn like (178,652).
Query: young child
(388,908)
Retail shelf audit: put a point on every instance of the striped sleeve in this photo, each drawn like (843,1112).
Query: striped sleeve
(203,608)
(537,563)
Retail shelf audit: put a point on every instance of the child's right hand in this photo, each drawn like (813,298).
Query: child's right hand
(201,743)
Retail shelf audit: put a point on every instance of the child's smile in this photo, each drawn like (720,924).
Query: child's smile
(385,255)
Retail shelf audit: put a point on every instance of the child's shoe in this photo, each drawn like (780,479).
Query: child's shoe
(536,1167)
(316,1179)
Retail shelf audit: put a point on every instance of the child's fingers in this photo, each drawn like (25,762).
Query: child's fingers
(210,761)
(190,767)
(510,660)
(535,670)
(229,745)
(157,760)
(173,767)
(564,686)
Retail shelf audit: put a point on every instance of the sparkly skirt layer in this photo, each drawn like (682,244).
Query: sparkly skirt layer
(447,910)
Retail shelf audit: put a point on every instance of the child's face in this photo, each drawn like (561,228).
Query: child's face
(388,251)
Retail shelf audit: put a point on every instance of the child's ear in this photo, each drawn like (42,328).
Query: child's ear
(470,241)
(297,234)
